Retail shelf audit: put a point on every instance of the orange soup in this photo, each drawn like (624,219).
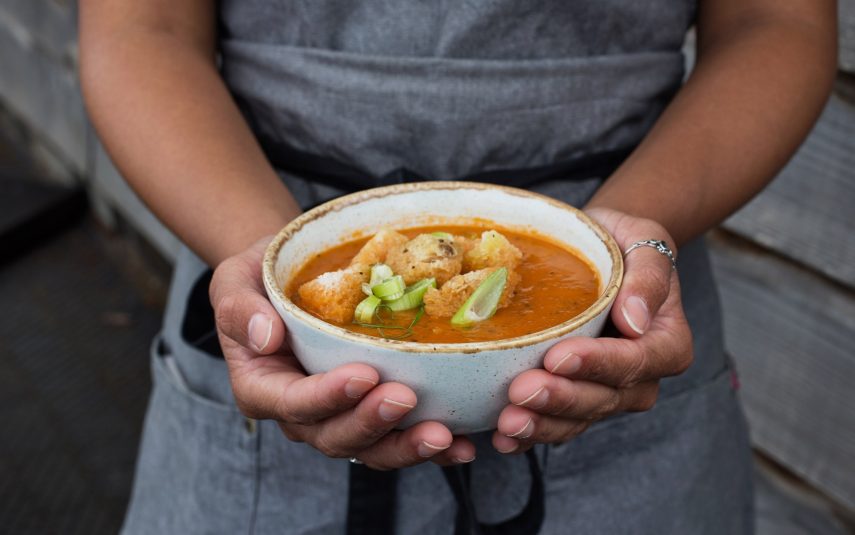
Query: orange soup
(551,284)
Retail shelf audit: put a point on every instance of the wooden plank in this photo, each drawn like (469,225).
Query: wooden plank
(791,334)
(42,89)
(808,212)
(47,25)
(846,34)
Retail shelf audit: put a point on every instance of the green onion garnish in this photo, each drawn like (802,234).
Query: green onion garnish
(444,235)
(389,289)
(483,302)
(413,296)
(379,273)
(364,312)
(408,331)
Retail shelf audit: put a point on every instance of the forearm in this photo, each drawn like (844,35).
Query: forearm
(760,82)
(171,127)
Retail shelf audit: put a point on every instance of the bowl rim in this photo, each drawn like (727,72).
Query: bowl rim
(552,333)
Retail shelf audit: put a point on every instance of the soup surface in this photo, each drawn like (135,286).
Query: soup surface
(555,285)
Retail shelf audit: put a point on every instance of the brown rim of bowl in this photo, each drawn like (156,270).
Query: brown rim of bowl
(338,203)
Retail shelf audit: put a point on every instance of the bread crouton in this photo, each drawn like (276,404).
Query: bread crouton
(334,295)
(445,301)
(464,244)
(426,256)
(375,250)
(492,250)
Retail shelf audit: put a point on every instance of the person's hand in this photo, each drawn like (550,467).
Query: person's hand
(586,379)
(342,413)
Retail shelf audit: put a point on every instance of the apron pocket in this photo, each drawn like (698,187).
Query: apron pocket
(197,470)
(682,467)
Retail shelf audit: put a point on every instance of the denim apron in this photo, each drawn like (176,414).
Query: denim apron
(491,90)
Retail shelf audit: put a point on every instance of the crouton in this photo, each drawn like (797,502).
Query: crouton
(426,256)
(492,250)
(463,244)
(445,301)
(334,295)
(375,250)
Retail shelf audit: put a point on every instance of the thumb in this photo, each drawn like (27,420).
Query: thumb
(647,272)
(242,311)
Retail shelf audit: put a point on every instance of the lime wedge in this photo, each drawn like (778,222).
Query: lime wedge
(483,302)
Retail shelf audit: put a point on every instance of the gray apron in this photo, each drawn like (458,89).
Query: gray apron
(448,89)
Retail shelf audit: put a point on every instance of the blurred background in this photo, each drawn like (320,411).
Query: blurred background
(84,270)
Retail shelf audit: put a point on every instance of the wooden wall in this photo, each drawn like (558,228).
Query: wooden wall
(40,87)
(786,269)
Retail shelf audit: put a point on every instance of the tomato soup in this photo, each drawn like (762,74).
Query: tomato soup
(555,285)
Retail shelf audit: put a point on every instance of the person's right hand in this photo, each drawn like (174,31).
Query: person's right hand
(342,413)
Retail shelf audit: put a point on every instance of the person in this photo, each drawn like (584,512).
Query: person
(229,118)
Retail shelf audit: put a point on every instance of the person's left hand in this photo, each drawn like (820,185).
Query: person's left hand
(586,379)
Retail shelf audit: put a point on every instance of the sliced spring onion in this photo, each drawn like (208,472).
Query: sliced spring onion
(417,317)
(379,326)
(379,273)
(413,296)
(390,289)
(382,327)
(443,235)
(483,302)
(408,331)
(366,288)
(364,312)
(491,242)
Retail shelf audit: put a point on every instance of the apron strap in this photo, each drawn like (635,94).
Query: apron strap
(371,501)
(527,522)
(346,177)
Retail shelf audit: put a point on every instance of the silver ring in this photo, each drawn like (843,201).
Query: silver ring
(354,460)
(660,246)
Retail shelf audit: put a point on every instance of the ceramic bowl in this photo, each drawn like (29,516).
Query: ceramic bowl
(463,386)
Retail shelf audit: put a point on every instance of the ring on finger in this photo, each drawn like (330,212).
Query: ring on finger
(354,460)
(660,246)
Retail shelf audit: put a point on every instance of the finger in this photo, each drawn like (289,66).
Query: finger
(241,309)
(646,285)
(550,394)
(461,451)
(412,446)
(528,427)
(647,273)
(545,393)
(276,387)
(620,362)
(352,431)
(507,445)
(641,397)
(510,446)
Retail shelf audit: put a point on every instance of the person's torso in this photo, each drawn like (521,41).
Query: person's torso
(451,88)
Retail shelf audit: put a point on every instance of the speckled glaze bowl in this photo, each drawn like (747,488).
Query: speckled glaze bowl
(463,386)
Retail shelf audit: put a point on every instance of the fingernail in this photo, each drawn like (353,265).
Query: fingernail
(537,399)
(635,313)
(356,387)
(568,364)
(426,449)
(391,410)
(525,431)
(260,328)
(512,449)
(460,460)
